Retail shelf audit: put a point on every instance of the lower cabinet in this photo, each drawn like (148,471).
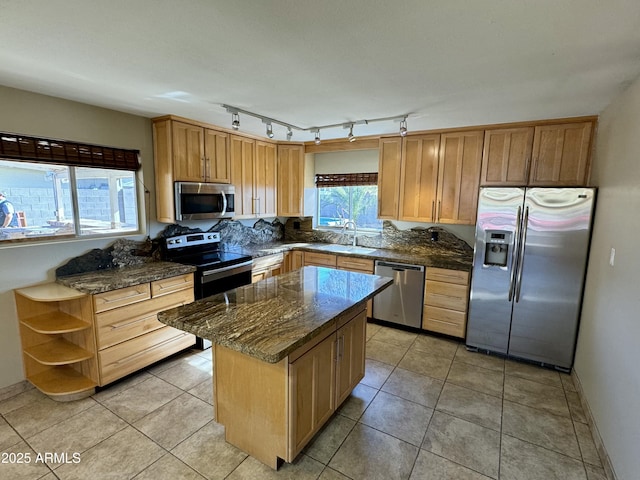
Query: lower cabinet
(268,266)
(271,411)
(293,260)
(446,298)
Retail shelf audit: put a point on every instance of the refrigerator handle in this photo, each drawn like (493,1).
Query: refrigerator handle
(516,247)
(525,226)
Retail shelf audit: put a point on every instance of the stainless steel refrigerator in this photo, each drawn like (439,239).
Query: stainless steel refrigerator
(528,275)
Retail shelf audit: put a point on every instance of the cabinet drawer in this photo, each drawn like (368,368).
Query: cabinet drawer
(356,264)
(322,259)
(121,324)
(122,296)
(267,262)
(127,357)
(446,295)
(171,284)
(444,321)
(458,277)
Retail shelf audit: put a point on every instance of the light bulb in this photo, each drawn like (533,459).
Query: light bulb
(235,121)
(317,140)
(403,128)
(269,130)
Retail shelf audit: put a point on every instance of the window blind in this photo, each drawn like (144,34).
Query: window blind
(62,152)
(346,179)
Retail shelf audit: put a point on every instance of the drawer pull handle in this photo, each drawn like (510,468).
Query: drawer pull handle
(117,299)
(126,324)
(173,284)
(147,350)
(443,295)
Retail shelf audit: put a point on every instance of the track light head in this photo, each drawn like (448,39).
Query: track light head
(351,137)
(317,140)
(235,121)
(289,133)
(269,130)
(403,127)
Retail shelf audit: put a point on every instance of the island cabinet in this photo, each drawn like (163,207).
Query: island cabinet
(128,333)
(446,298)
(58,345)
(291,180)
(272,410)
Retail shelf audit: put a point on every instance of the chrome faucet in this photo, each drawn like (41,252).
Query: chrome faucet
(355,229)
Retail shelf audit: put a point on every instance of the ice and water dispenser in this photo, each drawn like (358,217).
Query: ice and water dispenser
(497,246)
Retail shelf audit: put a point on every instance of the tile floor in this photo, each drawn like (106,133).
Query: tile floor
(427,409)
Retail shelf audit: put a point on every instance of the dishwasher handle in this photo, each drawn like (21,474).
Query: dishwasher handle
(400,267)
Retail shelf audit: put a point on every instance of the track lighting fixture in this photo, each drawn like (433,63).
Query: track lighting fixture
(351,137)
(317,140)
(289,133)
(403,127)
(269,130)
(235,121)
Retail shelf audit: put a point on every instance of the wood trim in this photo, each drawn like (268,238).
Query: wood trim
(342,145)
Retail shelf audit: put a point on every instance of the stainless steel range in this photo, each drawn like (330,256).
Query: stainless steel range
(217,271)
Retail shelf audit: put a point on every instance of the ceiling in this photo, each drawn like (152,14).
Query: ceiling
(446,63)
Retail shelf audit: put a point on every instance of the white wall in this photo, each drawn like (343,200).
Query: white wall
(39,115)
(608,353)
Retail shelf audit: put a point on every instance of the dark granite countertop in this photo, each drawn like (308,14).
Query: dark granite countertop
(106,280)
(270,319)
(440,258)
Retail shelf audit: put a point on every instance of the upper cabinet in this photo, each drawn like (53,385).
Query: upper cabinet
(419,178)
(389,177)
(538,155)
(290,180)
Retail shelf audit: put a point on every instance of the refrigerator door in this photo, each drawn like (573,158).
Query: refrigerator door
(493,277)
(550,276)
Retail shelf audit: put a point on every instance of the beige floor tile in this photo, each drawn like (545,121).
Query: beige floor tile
(587,446)
(204,391)
(372,329)
(174,360)
(175,420)
(355,405)
(567,382)
(79,432)
(122,455)
(532,372)
(208,453)
(479,359)
(595,473)
(541,428)
(188,373)
(476,378)
(22,465)
(168,468)
(373,455)
(20,400)
(331,474)
(15,389)
(575,407)
(206,354)
(470,405)
(396,416)
(121,385)
(42,413)
(327,441)
(466,443)
(8,435)
(395,336)
(141,399)
(537,395)
(414,387)
(426,364)
(522,460)
(439,347)
(376,373)
(302,468)
(385,352)
(432,467)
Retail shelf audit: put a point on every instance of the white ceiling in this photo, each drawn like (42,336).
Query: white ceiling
(445,62)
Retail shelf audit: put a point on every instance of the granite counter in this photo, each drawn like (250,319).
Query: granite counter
(269,319)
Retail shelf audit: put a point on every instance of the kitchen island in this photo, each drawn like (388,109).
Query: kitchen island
(287,351)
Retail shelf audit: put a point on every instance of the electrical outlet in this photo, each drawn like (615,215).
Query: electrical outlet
(612,257)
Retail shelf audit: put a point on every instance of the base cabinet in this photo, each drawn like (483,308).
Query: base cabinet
(446,298)
(266,267)
(271,411)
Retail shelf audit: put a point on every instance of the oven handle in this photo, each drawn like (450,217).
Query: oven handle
(218,273)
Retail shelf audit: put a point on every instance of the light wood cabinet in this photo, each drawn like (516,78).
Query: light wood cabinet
(265,180)
(506,156)
(58,346)
(389,177)
(561,155)
(290,180)
(350,343)
(320,259)
(446,298)
(293,260)
(419,178)
(268,266)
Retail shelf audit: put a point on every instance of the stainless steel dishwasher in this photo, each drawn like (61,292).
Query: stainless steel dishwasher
(401,302)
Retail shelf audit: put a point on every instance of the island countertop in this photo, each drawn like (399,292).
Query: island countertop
(270,319)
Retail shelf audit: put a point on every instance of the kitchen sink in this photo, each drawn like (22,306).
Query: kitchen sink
(346,249)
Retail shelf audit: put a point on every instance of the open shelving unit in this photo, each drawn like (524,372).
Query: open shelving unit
(58,343)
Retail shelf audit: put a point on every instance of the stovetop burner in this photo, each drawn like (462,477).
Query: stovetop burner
(201,250)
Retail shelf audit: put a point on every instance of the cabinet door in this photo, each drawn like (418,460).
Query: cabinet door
(389,177)
(459,177)
(265,180)
(312,380)
(295,260)
(216,150)
(506,156)
(290,180)
(561,155)
(188,152)
(419,178)
(242,153)
(351,356)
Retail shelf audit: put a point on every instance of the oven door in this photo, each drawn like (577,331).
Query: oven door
(222,279)
(202,201)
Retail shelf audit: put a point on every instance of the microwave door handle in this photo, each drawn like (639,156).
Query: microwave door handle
(224,203)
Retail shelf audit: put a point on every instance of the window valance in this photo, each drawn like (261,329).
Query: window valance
(346,179)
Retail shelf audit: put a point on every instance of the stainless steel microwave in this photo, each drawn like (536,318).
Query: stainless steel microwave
(202,201)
